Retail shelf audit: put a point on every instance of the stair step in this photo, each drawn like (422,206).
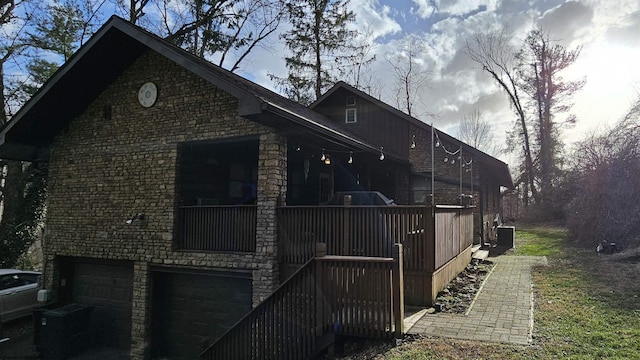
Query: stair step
(475,248)
(481,254)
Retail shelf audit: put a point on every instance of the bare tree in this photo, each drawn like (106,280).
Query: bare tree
(133,8)
(410,77)
(604,187)
(497,57)
(223,31)
(359,73)
(476,131)
(540,64)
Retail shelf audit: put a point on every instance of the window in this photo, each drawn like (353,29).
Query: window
(351,101)
(218,173)
(351,116)
(420,189)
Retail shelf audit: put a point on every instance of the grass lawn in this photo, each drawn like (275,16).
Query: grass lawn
(586,306)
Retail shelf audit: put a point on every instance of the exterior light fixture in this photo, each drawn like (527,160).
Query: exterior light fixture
(139,216)
(350,161)
(381,154)
(327,160)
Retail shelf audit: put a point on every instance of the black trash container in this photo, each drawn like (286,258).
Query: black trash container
(37,320)
(506,236)
(64,331)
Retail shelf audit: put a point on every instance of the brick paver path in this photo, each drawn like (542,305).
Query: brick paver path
(501,312)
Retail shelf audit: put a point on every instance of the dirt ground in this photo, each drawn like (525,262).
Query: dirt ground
(20,344)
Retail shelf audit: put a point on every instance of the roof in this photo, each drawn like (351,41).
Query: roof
(499,168)
(114,47)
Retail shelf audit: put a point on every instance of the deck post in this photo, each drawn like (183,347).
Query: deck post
(398,290)
(321,249)
(346,232)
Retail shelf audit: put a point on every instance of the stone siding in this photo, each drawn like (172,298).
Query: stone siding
(118,159)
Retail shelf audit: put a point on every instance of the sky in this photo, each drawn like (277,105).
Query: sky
(608,31)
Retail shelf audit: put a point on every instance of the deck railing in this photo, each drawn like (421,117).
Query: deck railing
(453,232)
(429,241)
(352,231)
(327,296)
(217,228)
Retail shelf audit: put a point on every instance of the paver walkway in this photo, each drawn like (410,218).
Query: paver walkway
(501,312)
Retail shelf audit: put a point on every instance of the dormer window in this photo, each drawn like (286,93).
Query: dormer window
(350,116)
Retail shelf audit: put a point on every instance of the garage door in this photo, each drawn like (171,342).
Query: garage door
(107,286)
(191,310)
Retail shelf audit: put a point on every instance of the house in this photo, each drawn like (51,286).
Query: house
(458,169)
(167,175)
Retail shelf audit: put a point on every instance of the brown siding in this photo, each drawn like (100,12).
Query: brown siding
(377,126)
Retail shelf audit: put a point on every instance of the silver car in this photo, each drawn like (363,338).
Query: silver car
(18,293)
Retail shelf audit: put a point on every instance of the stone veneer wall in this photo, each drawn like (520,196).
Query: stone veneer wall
(118,158)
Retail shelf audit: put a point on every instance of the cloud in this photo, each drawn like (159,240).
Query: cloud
(625,30)
(567,22)
(376,18)
(460,8)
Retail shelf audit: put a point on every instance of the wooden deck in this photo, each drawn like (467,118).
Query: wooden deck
(436,242)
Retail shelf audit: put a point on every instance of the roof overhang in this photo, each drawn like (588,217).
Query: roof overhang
(105,56)
(83,77)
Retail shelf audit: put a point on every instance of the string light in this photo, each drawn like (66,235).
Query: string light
(413,142)
(298,148)
(381,154)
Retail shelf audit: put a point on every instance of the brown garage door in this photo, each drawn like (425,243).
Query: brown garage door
(191,310)
(107,286)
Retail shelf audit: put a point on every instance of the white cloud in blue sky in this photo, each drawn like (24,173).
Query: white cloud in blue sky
(458,86)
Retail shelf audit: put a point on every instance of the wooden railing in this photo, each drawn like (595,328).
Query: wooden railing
(327,296)
(360,291)
(429,242)
(352,231)
(217,228)
(453,232)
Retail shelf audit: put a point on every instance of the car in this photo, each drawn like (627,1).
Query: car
(360,198)
(18,293)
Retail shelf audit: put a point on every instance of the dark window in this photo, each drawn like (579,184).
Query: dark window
(351,101)
(223,173)
(420,190)
(16,280)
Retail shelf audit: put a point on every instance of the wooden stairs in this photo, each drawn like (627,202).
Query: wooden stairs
(477,252)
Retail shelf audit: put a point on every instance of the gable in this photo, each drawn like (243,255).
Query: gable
(106,55)
(372,122)
(388,125)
